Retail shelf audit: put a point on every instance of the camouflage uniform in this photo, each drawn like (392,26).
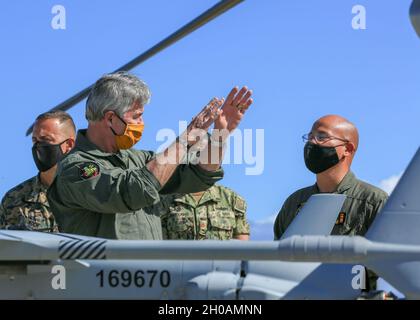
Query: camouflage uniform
(25,207)
(220,214)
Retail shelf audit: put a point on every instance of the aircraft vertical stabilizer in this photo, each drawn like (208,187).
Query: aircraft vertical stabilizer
(399,220)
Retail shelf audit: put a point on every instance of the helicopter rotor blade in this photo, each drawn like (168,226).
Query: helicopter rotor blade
(415,15)
(212,13)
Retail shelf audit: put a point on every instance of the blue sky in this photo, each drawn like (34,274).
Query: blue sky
(301,58)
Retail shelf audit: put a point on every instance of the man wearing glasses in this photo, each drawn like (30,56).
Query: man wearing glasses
(329,151)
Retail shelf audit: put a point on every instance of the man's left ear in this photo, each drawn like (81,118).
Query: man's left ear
(68,145)
(350,149)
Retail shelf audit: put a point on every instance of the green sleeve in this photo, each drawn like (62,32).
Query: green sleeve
(376,209)
(163,206)
(189,178)
(2,217)
(242,225)
(164,222)
(380,205)
(107,190)
(280,223)
(276,228)
(161,209)
(287,214)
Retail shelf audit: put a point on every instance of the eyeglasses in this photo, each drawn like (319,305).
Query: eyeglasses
(320,138)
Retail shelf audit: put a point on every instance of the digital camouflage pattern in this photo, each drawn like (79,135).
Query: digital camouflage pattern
(25,207)
(220,214)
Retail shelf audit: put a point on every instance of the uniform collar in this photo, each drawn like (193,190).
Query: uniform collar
(211,194)
(348,182)
(38,192)
(85,145)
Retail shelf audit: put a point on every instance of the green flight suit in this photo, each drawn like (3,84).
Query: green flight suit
(25,207)
(220,214)
(102,194)
(359,210)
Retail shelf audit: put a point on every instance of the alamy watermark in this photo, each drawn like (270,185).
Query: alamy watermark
(358,282)
(58,281)
(58,22)
(243,146)
(359,20)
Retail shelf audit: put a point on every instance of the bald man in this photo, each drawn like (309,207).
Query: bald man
(25,207)
(329,151)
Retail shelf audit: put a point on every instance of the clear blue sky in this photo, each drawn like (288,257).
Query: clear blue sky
(301,58)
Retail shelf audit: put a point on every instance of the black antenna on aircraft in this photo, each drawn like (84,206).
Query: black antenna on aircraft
(212,13)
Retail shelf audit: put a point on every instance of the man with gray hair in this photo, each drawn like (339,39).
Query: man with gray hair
(103,186)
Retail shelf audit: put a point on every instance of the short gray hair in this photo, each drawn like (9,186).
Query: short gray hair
(116,92)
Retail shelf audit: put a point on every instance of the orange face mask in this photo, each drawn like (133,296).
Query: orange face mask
(130,137)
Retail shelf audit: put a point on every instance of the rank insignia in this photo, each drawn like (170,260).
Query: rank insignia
(89,170)
(341,218)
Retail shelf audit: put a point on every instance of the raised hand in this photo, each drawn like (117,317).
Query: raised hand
(200,124)
(233,109)
(205,118)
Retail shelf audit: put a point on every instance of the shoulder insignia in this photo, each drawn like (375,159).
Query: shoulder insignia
(240,204)
(89,170)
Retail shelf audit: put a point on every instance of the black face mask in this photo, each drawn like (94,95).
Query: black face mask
(318,159)
(46,155)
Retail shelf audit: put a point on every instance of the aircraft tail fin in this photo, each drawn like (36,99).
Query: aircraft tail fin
(399,220)
(317,217)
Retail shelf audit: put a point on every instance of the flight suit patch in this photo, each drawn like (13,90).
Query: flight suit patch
(89,170)
(341,219)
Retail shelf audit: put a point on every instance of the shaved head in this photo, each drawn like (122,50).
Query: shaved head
(59,123)
(339,127)
(330,149)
